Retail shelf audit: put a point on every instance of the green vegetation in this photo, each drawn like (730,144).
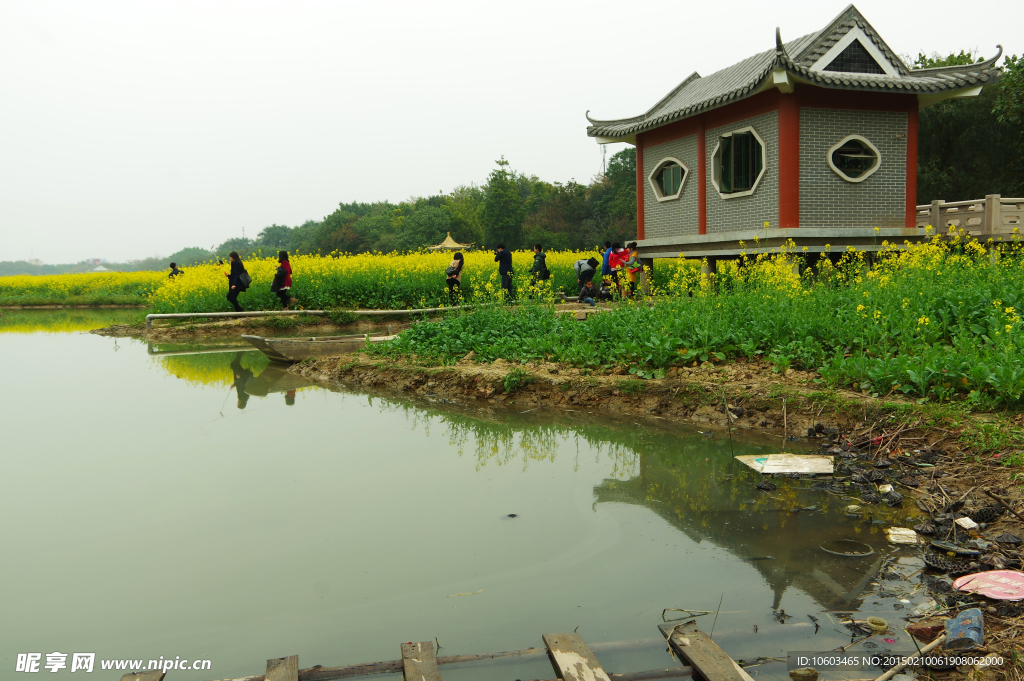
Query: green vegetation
(973,146)
(939,322)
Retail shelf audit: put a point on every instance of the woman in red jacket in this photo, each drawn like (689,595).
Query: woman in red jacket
(283,280)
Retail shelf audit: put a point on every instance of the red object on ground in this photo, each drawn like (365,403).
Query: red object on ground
(1002,585)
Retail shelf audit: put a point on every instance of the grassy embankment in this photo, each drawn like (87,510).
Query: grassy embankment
(937,322)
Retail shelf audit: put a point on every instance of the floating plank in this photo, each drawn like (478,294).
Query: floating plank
(788,463)
(419,662)
(144,676)
(283,669)
(693,646)
(573,659)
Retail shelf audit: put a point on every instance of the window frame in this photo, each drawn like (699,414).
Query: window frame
(868,173)
(716,163)
(652,179)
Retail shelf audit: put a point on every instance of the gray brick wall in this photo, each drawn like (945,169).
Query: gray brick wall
(677,217)
(746,212)
(827,200)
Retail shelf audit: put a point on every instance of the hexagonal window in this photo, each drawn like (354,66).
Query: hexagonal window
(668,178)
(854,158)
(738,163)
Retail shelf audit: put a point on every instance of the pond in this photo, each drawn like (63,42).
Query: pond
(211,505)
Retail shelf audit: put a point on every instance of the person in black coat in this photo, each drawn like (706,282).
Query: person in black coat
(235,285)
(504,260)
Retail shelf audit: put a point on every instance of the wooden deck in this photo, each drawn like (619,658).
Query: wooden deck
(571,659)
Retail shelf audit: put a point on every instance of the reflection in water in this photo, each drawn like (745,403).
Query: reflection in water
(248,372)
(65,321)
(696,485)
(713,498)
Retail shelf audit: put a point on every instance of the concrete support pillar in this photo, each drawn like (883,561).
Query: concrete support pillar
(936,216)
(644,275)
(708,268)
(992,220)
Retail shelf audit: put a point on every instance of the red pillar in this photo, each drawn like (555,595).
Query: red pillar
(702,179)
(911,218)
(639,186)
(789,160)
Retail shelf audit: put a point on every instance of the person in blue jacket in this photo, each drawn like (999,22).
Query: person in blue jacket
(606,268)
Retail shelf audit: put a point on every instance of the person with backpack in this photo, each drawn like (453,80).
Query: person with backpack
(282,283)
(454,278)
(238,280)
(539,271)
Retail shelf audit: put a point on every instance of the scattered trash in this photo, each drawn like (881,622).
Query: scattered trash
(1002,585)
(788,463)
(766,486)
(925,632)
(877,624)
(901,535)
(942,564)
(853,508)
(953,549)
(987,514)
(966,523)
(1007,538)
(884,488)
(965,631)
(847,548)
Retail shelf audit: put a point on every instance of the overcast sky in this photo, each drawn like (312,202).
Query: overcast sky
(132,129)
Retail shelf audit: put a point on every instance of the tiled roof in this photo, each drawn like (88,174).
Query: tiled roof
(695,94)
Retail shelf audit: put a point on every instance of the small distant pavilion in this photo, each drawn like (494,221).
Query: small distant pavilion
(449,244)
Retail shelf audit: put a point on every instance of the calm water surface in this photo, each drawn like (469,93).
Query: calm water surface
(147,510)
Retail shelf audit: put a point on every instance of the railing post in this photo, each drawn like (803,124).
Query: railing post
(992,222)
(936,215)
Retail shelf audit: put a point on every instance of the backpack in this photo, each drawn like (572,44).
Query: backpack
(451,271)
(279,279)
(245,280)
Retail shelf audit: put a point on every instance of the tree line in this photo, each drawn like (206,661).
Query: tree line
(967,148)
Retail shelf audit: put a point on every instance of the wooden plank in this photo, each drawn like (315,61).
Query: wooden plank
(572,658)
(419,662)
(144,676)
(283,669)
(694,647)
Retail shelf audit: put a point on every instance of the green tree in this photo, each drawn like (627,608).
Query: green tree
(504,208)
(972,146)
(276,237)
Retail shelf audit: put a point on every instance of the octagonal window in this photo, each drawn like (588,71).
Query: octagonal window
(668,178)
(738,163)
(854,158)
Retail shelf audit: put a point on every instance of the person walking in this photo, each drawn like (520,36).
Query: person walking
(454,278)
(504,260)
(282,283)
(539,271)
(236,280)
(174,271)
(585,270)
